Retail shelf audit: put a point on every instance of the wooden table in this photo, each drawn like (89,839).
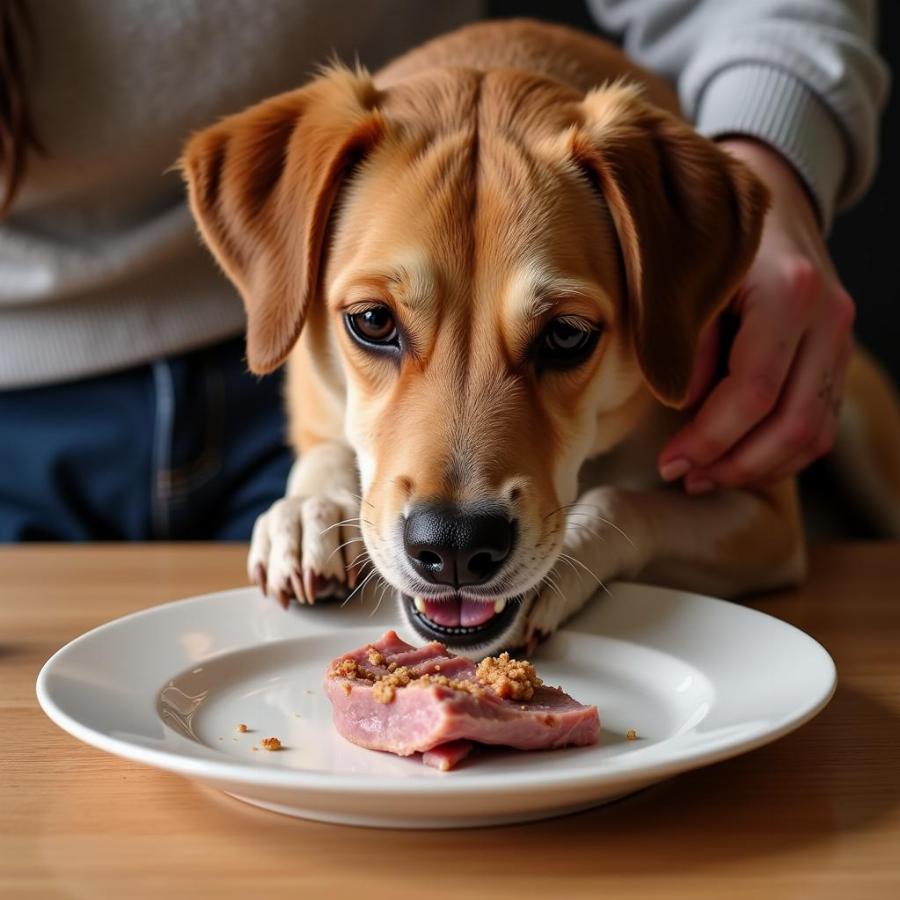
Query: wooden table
(815,815)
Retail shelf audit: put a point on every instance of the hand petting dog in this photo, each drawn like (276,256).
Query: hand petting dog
(777,408)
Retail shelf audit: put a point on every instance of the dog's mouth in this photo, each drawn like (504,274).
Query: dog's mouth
(461,621)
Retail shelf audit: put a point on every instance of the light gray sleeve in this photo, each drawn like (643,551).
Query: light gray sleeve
(801,75)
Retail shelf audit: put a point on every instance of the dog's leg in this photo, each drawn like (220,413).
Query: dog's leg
(306,544)
(729,543)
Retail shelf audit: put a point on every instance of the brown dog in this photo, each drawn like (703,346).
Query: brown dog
(488,267)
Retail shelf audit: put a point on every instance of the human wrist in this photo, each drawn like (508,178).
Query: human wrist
(788,189)
(757,101)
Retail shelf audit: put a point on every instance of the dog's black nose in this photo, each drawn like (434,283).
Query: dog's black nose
(448,545)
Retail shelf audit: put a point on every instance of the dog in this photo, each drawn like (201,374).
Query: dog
(487,267)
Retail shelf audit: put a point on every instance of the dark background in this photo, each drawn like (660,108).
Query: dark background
(864,240)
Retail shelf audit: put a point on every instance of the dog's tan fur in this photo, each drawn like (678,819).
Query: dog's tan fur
(462,188)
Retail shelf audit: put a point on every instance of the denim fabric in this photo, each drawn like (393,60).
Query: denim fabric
(186,448)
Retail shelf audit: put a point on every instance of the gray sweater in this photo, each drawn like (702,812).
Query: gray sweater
(100,265)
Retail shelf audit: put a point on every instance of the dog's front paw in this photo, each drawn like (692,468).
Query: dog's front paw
(306,547)
(562,593)
(596,550)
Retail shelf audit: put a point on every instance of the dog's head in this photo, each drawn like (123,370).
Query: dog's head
(500,274)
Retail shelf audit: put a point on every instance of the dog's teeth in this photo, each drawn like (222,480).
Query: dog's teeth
(499,606)
(419,603)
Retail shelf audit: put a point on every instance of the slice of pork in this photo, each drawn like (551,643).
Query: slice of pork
(425,714)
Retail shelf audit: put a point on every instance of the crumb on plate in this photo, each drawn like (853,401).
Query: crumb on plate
(631,735)
(242,728)
(270,743)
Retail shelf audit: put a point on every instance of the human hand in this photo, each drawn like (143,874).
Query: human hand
(776,409)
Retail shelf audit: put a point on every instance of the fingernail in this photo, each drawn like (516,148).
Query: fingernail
(674,469)
(700,486)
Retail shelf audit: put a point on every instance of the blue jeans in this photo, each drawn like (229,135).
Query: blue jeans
(186,448)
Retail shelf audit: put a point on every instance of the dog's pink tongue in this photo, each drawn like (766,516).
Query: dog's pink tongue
(444,612)
(475,612)
(457,612)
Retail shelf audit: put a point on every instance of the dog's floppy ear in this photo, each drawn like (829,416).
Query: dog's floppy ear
(688,218)
(261,186)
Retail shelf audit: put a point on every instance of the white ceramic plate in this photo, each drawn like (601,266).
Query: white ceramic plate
(697,679)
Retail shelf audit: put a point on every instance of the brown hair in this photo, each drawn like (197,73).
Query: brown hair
(17,134)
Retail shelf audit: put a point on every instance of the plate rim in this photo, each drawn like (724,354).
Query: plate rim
(324,783)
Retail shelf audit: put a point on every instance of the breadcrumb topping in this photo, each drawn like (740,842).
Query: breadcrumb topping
(455,684)
(346,668)
(509,679)
(385,687)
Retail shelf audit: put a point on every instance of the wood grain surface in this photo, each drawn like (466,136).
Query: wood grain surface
(816,814)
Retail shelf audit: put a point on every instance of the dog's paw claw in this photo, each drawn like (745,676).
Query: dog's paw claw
(318,586)
(534,637)
(258,577)
(299,588)
(298,549)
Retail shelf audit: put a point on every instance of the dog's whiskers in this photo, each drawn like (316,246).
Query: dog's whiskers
(584,527)
(553,512)
(603,519)
(346,523)
(360,586)
(385,588)
(364,555)
(550,582)
(359,497)
(341,547)
(571,559)
(564,557)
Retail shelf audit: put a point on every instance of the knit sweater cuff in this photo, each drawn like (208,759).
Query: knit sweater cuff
(765,103)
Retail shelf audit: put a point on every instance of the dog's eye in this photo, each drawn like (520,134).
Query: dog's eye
(374,326)
(566,342)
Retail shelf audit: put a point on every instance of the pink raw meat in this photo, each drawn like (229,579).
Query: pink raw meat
(446,756)
(425,718)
